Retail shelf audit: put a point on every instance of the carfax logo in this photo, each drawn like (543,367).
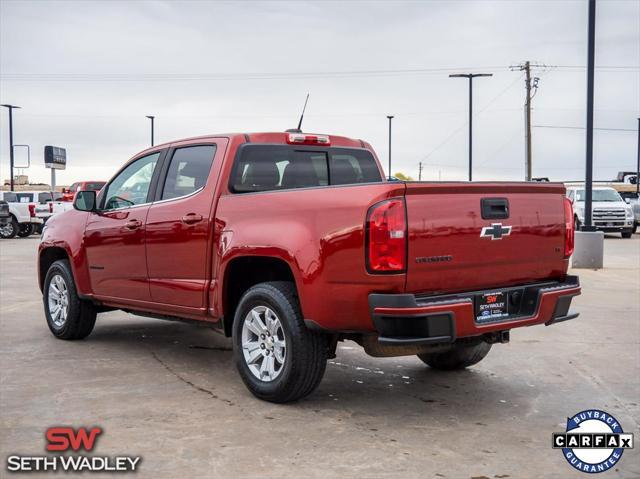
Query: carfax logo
(65,439)
(593,442)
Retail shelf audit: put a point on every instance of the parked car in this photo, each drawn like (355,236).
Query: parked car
(69,193)
(291,242)
(610,213)
(632,199)
(23,215)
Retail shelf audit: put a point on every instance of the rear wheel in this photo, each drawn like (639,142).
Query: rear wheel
(460,356)
(278,358)
(10,230)
(26,229)
(576,224)
(68,316)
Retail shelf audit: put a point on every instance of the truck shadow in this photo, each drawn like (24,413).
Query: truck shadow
(355,385)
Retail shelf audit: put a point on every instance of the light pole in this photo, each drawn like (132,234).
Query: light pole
(151,117)
(588,181)
(638,165)
(470,76)
(11,108)
(390,117)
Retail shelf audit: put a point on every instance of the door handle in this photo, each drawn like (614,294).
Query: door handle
(191,218)
(133,224)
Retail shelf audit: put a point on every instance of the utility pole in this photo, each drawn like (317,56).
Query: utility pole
(531,88)
(390,117)
(420,171)
(151,117)
(11,108)
(470,76)
(527,120)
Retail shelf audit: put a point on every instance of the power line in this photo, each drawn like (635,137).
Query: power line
(581,128)
(193,76)
(457,130)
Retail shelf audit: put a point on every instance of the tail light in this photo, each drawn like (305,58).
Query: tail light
(50,207)
(569,228)
(32,210)
(387,237)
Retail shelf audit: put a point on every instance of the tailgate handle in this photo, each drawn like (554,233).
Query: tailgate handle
(494,208)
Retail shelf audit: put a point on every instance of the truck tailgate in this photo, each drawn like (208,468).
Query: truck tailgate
(446,252)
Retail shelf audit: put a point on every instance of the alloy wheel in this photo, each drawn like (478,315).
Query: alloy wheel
(263,343)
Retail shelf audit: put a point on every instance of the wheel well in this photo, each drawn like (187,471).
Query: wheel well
(47,258)
(245,272)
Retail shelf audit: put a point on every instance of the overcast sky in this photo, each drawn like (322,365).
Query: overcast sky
(87,72)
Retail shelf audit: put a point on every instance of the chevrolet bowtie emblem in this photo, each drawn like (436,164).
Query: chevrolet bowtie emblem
(496,231)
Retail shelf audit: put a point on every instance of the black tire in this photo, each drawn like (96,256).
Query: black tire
(306,354)
(576,224)
(635,228)
(26,229)
(10,230)
(627,234)
(460,356)
(81,315)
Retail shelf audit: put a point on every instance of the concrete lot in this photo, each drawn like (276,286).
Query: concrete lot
(169,392)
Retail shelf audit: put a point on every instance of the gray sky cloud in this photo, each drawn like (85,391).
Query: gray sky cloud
(87,73)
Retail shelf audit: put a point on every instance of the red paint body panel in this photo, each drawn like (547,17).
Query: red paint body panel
(179,252)
(445,220)
(115,251)
(320,233)
(168,267)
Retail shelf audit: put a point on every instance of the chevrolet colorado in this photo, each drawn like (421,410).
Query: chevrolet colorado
(290,242)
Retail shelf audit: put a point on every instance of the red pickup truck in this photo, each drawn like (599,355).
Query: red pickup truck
(70,193)
(291,242)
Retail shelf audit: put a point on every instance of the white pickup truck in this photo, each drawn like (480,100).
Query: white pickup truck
(610,213)
(22,209)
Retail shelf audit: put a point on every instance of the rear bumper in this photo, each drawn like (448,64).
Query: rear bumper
(403,319)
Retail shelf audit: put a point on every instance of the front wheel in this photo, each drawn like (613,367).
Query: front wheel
(68,316)
(460,356)
(278,358)
(10,230)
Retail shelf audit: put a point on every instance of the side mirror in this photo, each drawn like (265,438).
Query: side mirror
(85,201)
(627,200)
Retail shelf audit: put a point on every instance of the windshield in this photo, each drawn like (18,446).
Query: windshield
(599,195)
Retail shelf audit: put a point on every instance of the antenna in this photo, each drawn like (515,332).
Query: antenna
(302,115)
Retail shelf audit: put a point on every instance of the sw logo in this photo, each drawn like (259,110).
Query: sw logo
(496,231)
(593,441)
(65,439)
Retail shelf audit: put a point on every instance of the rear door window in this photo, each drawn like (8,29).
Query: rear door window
(281,167)
(188,171)
(356,166)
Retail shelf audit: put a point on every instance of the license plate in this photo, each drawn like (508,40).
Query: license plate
(492,306)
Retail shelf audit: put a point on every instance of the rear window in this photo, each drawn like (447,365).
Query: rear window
(281,167)
(94,185)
